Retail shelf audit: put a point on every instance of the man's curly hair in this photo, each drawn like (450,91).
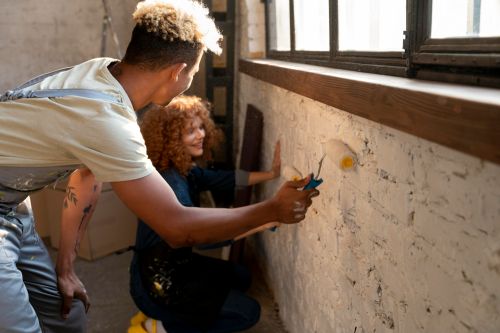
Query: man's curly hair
(169,32)
(162,129)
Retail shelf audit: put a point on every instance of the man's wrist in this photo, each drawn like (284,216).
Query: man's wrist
(272,206)
(64,265)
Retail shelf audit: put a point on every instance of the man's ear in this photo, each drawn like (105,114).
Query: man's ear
(177,70)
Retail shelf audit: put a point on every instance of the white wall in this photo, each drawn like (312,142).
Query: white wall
(408,242)
(42,35)
(39,36)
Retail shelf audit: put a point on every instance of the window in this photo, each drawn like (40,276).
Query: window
(279,25)
(311,19)
(465,18)
(452,40)
(363,25)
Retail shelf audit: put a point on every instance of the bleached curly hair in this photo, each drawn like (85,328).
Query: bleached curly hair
(182,20)
(169,32)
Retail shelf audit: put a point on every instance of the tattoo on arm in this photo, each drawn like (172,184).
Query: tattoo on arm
(86,212)
(70,196)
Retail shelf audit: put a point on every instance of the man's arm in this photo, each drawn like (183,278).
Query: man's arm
(152,199)
(79,203)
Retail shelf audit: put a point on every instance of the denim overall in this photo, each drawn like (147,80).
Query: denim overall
(29,298)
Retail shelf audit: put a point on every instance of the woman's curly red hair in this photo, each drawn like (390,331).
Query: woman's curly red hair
(162,129)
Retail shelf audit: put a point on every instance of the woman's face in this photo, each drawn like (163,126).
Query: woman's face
(192,137)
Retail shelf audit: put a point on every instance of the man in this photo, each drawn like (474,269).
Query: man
(81,121)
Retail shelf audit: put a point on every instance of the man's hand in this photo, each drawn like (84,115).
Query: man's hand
(71,287)
(291,203)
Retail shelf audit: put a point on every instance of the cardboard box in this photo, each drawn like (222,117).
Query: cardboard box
(42,224)
(111,228)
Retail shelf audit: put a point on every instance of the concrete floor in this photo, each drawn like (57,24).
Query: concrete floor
(106,280)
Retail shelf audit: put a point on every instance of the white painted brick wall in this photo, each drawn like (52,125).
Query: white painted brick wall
(408,242)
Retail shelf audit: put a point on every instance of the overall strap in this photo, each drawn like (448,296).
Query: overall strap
(22,91)
(40,78)
(11,95)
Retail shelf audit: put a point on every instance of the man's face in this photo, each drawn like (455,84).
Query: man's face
(173,88)
(187,75)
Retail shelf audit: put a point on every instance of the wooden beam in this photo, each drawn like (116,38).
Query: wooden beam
(460,117)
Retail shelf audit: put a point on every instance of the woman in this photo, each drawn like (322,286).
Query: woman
(189,292)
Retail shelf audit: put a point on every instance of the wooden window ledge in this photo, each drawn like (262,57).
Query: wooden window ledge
(465,118)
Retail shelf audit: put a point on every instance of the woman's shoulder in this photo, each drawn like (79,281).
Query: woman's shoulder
(179,185)
(174,178)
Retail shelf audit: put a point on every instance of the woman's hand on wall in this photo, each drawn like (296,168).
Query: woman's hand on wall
(256,177)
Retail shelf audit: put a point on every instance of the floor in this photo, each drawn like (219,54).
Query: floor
(106,281)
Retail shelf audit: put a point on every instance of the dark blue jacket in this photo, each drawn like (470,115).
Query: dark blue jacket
(187,190)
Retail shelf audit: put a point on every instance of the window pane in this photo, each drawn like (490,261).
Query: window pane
(365,25)
(465,18)
(279,25)
(312,29)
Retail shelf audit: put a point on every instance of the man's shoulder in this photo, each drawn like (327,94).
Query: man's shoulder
(95,62)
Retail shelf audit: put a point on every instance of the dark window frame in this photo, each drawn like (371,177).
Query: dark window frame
(223,78)
(474,61)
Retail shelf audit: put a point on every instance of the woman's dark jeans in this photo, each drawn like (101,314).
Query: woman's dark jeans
(238,313)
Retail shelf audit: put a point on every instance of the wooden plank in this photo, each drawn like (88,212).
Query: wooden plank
(471,60)
(443,113)
(249,161)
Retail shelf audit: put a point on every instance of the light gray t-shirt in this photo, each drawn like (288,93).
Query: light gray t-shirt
(68,131)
